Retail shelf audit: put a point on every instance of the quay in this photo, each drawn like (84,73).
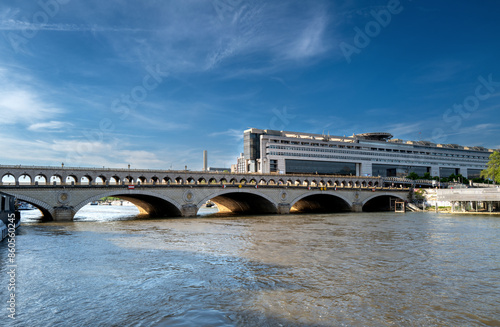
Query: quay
(471,200)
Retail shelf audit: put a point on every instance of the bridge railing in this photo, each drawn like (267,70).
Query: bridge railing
(169,171)
(218,185)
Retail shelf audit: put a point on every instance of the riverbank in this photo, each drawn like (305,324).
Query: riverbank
(448,210)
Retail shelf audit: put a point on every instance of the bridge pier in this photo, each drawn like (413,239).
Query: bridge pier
(357,207)
(189,210)
(283,208)
(63,213)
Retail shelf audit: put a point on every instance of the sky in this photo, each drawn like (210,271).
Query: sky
(151,84)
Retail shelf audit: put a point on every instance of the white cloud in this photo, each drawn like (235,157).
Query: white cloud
(75,153)
(233,133)
(50,126)
(19,105)
(404,130)
(310,42)
(153,121)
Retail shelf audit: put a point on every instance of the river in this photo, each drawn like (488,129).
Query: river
(109,268)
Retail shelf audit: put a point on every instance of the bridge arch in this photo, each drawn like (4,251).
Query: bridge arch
(242,202)
(70,179)
(86,179)
(41,179)
(320,202)
(150,203)
(22,178)
(56,179)
(8,178)
(380,202)
(46,209)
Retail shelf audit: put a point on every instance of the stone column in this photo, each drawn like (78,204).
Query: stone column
(63,213)
(189,210)
(357,207)
(283,208)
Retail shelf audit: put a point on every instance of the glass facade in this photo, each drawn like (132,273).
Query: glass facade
(473,173)
(251,145)
(320,167)
(446,172)
(398,171)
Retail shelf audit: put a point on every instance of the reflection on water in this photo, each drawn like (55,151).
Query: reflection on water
(366,269)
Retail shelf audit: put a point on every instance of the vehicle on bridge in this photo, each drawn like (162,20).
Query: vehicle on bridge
(10,218)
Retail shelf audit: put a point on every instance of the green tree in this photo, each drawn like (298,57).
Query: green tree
(492,170)
(413,176)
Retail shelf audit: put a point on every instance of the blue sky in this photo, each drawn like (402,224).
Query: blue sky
(154,83)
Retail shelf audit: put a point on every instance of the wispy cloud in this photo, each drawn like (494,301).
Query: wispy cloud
(232,133)
(19,25)
(152,121)
(24,106)
(76,153)
(440,71)
(267,30)
(404,130)
(50,126)
(311,41)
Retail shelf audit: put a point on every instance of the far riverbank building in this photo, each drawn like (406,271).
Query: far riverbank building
(369,154)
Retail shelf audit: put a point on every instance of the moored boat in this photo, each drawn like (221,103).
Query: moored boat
(10,218)
(25,206)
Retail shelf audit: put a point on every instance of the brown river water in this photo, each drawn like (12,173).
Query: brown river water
(355,269)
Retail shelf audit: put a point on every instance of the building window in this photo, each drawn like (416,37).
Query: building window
(273,165)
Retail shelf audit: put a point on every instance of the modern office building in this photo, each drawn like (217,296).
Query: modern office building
(369,154)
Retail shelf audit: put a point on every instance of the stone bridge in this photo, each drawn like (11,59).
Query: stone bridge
(59,192)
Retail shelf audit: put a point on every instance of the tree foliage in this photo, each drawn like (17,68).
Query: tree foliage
(492,170)
(413,176)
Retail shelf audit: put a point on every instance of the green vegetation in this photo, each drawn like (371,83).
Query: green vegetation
(109,198)
(432,208)
(419,195)
(427,176)
(492,172)
(413,176)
